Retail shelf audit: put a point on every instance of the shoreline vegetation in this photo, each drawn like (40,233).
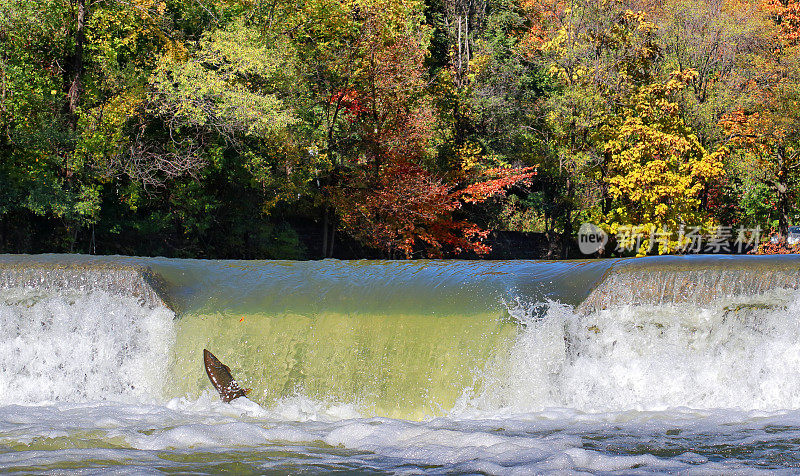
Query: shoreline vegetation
(394,128)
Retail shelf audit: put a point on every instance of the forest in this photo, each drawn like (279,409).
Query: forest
(411,128)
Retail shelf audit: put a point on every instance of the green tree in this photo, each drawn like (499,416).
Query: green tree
(229,93)
(599,54)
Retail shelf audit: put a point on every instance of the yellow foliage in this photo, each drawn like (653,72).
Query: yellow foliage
(468,156)
(657,168)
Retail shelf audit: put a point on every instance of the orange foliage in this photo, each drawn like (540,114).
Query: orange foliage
(495,183)
(401,208)
(786,14)
(406,209)
(386,199)
(756,131)
(775,245)
(741,126)
(545,17)
(349,101)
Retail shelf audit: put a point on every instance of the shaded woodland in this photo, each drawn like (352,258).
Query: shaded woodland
(391,128)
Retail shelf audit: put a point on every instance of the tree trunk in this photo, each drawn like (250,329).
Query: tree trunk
(328,233)
(333,239)
(567,235)
(782,187)
(74,71)
(606,194)
(325,232)
(783,207)
(74,238)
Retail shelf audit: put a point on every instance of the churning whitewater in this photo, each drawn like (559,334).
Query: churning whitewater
(376,367)
(77,347)
(741,353)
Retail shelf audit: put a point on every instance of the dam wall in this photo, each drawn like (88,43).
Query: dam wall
(410,339)
(692,280)
(83,274)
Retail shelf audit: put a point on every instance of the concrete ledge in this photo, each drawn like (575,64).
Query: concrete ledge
(698,281)
(116,278)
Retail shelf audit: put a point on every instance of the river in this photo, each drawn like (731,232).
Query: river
(620,366)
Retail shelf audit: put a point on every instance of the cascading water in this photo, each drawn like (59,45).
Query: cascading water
(739,353)
(664,364)
(78,347)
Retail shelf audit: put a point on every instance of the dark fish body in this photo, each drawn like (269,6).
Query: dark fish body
(221,378)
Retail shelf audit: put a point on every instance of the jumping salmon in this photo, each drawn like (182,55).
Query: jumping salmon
(220,376)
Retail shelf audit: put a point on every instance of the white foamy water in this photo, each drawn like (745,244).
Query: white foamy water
(74,346)
(742,354)
(205,435)
(629,390)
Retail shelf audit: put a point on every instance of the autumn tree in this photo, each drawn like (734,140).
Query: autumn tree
(230,89)
(768,135)
(598,54)
(484,92)
(785,14)
(763,129)
(62,63)
(388,200)
(391,198)
(658,168)
(722,41)
(83,147)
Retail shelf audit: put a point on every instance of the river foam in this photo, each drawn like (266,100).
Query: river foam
(738,353)
(205,435)
(81,346)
